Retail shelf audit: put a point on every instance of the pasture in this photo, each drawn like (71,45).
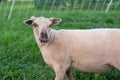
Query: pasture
(20,58)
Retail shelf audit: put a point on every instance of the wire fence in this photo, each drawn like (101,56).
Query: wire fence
(79,4)
(8,6)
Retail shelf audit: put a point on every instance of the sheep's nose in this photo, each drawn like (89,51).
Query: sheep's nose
(44,37)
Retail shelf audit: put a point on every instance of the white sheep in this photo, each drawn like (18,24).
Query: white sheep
(93,50)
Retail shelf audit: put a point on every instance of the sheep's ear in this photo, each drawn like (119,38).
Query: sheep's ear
(30,21)
(55,21)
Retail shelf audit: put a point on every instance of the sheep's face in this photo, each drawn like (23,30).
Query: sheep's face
(42,27)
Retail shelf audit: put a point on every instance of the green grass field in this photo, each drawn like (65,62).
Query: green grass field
(20,58)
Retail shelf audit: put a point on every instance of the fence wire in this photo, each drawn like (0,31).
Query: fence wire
(7,7)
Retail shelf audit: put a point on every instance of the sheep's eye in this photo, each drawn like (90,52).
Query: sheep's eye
(35,25)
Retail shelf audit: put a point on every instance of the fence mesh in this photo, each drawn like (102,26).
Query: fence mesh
(84,4)
(7,7)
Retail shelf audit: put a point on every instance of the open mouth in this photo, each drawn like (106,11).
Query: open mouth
(43,41)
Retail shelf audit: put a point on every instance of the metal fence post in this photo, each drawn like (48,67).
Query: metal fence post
(11,9)
(108,7)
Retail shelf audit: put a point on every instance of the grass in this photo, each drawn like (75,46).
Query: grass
(20,58)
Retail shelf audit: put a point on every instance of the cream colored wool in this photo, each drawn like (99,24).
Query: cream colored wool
(92,50)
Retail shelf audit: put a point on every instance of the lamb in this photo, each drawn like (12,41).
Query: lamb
(92,50)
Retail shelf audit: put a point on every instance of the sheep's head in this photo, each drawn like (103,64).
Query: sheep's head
(42,26)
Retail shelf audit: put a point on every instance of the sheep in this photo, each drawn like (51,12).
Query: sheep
(91,50)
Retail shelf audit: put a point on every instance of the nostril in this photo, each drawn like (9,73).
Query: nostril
(44,35)
(41,33)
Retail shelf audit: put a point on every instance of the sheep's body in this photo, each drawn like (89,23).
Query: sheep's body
(94,50)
